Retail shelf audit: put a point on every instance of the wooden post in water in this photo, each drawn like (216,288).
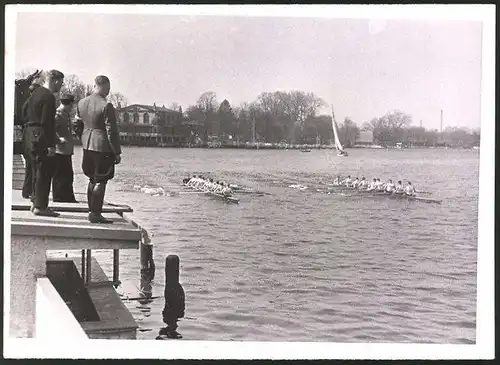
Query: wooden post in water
(174,298)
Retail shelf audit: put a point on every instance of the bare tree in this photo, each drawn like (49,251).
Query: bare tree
(174,106)
(75,86)
(117,99)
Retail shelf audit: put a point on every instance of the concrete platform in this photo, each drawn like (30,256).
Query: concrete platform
(110,318)
(32,236)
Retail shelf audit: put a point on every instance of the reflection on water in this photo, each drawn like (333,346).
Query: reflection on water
(301,265)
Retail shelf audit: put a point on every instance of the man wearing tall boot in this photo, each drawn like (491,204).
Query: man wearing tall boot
(62,182)
(27,192)
(101,145)
(40,140)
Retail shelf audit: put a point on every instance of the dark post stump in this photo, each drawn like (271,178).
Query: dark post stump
(174,298)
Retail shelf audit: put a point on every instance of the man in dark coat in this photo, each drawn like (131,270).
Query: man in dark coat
(62,183)
(28,176)
(101,145)
(40,140)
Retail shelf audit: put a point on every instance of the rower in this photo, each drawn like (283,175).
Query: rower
(389,187)
(226,191)
(409,189)
(206,185)
(355,183)
(363,183)
(193,181)
(379,185)
(200,182)
(211,186)
(218,187)
(347,181)
(196,181)
(372,186)
(399,188)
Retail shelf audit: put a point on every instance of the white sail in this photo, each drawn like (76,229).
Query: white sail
(338,145)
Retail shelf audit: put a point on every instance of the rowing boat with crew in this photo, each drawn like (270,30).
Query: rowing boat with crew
(377,188)
(216,189)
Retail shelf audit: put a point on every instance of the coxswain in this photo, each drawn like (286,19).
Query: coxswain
(389,187)
(409,189)
(337,181)
(355,183)
(347,181)
(186,180)
(399,188)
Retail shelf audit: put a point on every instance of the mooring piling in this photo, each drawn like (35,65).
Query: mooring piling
(174,298)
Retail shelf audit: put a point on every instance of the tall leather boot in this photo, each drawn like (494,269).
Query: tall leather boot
(90,189)
(95,215)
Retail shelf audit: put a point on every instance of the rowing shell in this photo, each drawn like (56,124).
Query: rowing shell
(229,199)
(388,195)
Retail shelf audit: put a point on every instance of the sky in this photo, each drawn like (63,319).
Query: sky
(364,68)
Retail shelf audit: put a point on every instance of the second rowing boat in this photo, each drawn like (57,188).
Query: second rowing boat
(383,193)
(228,199)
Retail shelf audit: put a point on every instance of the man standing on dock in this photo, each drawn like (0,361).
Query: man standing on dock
(27,192)
(62,182)
(39,139)
(101,145)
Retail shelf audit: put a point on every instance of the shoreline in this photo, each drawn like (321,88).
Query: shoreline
(297,147)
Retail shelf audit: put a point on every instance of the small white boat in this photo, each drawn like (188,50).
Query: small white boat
(338,145)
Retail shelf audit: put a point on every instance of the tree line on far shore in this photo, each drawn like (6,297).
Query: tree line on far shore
(291,117)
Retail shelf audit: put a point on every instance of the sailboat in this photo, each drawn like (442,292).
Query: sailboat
(338,145)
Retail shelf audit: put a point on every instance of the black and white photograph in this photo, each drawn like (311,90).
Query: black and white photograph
(249,182)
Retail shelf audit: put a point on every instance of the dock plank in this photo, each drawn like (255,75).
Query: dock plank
(19,203)
(73,225)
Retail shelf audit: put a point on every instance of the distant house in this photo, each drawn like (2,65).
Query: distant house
(151,123)
(365,138)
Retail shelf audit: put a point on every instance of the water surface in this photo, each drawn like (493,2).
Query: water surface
(304,265)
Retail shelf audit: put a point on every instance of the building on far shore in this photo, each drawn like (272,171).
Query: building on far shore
(151,125)
(364,139)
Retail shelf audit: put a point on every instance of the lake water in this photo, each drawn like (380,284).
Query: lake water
(304,265)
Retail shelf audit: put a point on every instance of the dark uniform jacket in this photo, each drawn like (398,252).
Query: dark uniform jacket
(100,129)
(41,111)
